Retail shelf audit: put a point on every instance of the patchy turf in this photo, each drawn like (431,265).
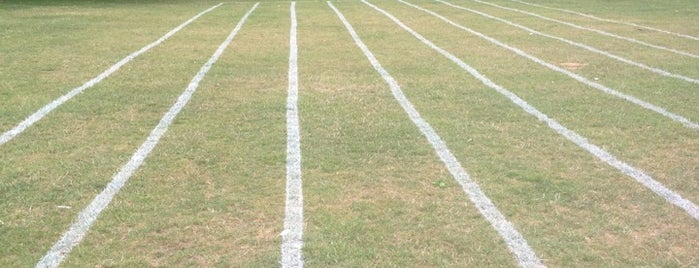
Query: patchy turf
(375,192)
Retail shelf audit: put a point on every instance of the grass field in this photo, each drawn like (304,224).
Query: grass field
(376,192)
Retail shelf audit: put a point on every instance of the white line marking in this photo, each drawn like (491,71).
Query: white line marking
(292,235)
(610,20)
(677,118)
(39,114)
(637,174)
(88,216)
(526,257)
(580,45)
(593,30)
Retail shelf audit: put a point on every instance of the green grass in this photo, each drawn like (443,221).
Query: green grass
(360,149)
(520,156)
(211,194)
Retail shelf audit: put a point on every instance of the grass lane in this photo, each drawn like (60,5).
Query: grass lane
(668,41)
(663,148)
(650,56)
(674,14)
(573,209)
(641,32)
(39,55)
(667,92)
(375,192)
(212,193)
(67,158)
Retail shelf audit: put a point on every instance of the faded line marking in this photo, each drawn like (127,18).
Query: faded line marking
(292,235)
(39,114)
(88,216)
(641,177)
(610,20)
(662,111)
(515,241)
(593,30)
(580,45)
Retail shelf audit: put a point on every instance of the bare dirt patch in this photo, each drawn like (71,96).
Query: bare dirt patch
(573,65)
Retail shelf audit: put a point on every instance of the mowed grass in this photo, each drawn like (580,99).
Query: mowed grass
(51,47)
(67,158)
(520,158)
(673,14)
(663,148)
(212,194)
(375,193)
(372,183)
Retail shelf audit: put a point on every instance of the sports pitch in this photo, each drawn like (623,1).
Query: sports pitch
(461,133)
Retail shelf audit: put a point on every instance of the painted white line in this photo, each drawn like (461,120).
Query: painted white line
(580,45)
(640,176)
(525,255)
(610,20)
(292,235)
(679,52)
(677,118)
(88,216)
(39,114)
